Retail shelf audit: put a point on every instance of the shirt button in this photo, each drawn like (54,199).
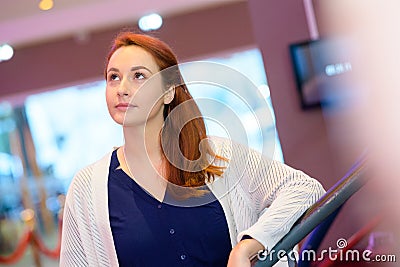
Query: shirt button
(183,257)
(159,206)
(172,231)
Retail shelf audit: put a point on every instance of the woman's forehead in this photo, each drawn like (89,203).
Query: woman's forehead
(133,55)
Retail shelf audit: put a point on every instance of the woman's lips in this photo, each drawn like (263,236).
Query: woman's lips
(124,106)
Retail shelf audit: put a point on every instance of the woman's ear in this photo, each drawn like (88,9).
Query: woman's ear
(169,95)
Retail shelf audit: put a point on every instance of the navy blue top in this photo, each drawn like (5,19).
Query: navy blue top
(148,232)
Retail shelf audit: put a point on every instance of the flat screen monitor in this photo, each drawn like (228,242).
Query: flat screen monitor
(320,67)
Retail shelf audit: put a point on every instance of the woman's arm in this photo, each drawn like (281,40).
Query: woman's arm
(72,251)
(244,251)
(279,201)
(275,192)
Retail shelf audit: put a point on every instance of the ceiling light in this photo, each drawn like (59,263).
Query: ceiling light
(6,52)
(46,4)
(150,22)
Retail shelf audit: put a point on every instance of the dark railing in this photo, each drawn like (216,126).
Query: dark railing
(318,217)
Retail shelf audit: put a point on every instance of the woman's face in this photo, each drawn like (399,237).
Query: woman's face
(132,97)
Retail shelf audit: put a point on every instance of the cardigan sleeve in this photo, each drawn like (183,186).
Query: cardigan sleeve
(72,249)
(280,203)
(86,234)
(276,193)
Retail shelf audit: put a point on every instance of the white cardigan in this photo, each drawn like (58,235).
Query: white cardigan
(261,198)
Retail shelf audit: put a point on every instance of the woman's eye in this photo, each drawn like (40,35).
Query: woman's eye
(114,77)
(139,76)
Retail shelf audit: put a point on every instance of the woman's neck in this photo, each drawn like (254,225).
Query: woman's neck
(142,144)
(142,159)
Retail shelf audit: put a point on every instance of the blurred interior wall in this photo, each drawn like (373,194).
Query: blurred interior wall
(305,142)
(371,119)
(71,60)
(326,145)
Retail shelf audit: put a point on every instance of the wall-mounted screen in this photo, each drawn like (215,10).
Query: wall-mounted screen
(319,68)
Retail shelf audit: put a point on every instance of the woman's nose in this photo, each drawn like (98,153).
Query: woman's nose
(123,89)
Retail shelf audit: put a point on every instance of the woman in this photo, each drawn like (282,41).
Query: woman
(169,196)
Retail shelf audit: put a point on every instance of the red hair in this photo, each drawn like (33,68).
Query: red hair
(192,133)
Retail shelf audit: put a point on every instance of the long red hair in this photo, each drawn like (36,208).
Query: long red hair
(192,133)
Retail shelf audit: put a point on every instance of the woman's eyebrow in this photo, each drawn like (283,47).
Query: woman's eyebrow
(112,69)
(132,69)
(141,67)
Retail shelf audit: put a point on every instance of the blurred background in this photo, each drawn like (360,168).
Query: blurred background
(316,63)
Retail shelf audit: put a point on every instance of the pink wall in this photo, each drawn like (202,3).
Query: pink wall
(305,144)
(364,23)
(320,145)
(307,140)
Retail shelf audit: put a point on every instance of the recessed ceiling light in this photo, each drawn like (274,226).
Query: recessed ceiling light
(46,4)
(150,22)
(6,52)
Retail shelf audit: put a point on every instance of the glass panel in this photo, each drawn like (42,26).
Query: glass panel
(248,63)
(71,128)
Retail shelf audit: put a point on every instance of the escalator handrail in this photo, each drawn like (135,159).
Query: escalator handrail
(332,200)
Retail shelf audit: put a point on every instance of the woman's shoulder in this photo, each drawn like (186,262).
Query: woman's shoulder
(84,176)
(219,143)
(243,158)
(219,140)
(231,149)
(86,181)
